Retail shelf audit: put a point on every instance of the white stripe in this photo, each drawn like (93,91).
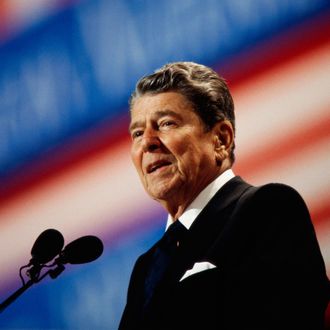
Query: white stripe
(282,99)
(99,194)
(96,195)
(323,235)
(307,171)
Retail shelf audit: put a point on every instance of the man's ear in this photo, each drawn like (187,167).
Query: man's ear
(223,140)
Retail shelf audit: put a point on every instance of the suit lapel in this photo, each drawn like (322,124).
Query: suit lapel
(208,226)
(205,230)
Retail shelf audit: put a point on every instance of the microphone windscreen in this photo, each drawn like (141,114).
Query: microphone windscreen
(82,250)
(48,245)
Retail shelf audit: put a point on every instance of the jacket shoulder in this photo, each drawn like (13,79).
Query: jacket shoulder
(278,198)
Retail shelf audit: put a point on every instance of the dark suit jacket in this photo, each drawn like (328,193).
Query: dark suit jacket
(270,273)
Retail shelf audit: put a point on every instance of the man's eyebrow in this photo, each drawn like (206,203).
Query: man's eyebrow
(167,112)
(134,125)
(156,115)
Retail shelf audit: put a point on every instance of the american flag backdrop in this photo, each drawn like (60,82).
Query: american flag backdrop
(67,69)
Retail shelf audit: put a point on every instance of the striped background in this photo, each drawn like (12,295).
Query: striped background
(64,156)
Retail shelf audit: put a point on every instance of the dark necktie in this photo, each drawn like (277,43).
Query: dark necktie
(163,256)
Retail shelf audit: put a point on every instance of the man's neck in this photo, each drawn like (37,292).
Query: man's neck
(177,208)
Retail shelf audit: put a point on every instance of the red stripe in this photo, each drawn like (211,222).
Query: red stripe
(100,139)
(64,157)
(4,18)
(321,213)
(284,47)
(283,147)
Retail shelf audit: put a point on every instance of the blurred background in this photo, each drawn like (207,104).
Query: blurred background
(67,69)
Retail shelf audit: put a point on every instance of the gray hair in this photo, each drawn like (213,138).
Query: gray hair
(203,87)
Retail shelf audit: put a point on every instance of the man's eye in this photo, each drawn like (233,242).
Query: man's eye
(167,123)
(136,134)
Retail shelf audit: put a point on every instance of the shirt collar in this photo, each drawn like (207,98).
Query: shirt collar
(193,210)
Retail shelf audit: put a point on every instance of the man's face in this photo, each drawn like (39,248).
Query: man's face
(171,149)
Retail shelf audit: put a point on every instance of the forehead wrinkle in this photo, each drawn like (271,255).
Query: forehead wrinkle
(156,115)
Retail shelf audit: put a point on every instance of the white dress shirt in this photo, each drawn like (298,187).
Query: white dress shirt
(193,210)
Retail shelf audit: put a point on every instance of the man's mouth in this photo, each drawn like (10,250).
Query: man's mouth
(157,165)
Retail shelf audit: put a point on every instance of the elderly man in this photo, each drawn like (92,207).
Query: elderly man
(233,256)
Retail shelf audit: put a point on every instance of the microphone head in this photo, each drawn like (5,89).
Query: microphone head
(48,245)
(82,250)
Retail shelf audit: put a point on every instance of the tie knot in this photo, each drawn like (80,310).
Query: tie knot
(175,232)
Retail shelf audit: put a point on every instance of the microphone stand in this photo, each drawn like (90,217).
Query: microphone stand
(15,295)
(70,254)
(53,273)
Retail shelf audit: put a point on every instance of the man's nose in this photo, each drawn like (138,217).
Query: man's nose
(150,140)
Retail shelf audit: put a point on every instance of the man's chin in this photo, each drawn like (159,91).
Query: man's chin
(164,193)
(164,189)
(160,196)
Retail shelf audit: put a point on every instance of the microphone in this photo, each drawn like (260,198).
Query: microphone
(48,244)
(82,250)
